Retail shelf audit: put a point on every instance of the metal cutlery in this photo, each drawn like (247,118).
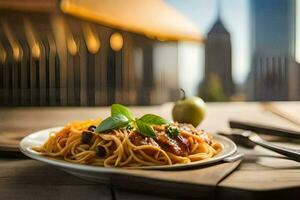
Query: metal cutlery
(250,139)
(265,129)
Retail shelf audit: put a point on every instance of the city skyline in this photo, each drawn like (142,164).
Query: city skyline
(273,68)
(204,14)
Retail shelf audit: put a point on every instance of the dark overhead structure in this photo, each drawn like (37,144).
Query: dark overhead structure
(68,53)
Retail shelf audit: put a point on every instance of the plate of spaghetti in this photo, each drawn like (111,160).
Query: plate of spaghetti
(123,141)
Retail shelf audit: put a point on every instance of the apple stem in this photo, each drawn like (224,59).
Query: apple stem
(183,93)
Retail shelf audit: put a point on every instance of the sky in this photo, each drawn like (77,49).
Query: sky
(234,15)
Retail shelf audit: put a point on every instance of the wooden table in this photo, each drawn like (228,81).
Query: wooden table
(262,174)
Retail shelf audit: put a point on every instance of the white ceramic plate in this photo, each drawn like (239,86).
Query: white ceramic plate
(102,174)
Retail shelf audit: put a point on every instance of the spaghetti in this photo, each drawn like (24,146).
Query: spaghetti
(77,143)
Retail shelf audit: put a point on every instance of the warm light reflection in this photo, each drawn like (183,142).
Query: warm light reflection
(52,45)
(32,39)
(36,50)
(116,41)
(59,43)
(16,47)
(156,18)
(93,44)
(17,53)
(161,39)
(2,54)
(91,39)
(72,46)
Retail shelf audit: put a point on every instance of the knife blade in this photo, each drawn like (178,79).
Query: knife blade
(264,129)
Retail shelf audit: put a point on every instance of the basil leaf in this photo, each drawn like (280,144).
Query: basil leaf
(153,119)
(117,109)
(112,122)
(172,131)
(145,129)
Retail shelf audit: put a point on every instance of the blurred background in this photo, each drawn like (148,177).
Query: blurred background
(97,52)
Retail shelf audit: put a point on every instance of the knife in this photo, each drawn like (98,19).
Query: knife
(264,129)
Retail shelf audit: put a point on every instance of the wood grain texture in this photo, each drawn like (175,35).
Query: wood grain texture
(126,195)
(196,183)
(29,5)
(262,174)
(264,170)
(28,179)
(30,175)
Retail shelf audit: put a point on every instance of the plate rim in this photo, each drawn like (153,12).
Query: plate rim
(100,169)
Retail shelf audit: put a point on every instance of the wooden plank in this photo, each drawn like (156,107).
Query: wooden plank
(101,83)
(286,111)
(63,81)
(71,80)
(42,77)
(259,173)
(83,74)
(263,170)
(126,195)
(33,176)
(25,76)
(224,193)
(52,72)
(41,192)
(28,179)
(264,174)
(263,180)
(1,81)
(7,85)
(97,77)
(29,5)
(218,115)
(90,78)
(34,64)
(191,183)
(15,86)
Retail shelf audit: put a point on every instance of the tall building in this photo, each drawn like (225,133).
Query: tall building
(218,59)
(272,50)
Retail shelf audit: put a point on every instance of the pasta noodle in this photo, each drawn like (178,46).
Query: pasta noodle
(127,148)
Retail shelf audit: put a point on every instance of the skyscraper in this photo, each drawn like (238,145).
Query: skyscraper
(218,60)
(272,49)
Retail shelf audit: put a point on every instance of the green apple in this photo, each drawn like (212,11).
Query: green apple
(189,110)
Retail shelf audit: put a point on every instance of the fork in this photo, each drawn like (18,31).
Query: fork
(250,139)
